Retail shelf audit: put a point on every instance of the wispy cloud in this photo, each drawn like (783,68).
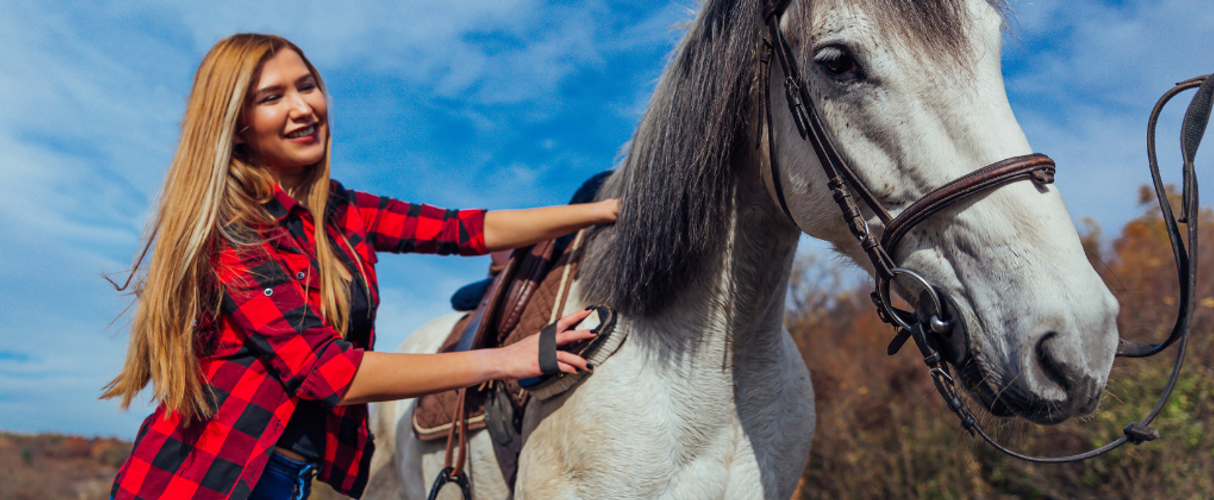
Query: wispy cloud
(1083,77)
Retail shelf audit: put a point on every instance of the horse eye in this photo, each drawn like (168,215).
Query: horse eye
(838,61)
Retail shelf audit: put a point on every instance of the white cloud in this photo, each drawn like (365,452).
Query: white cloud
(1086,75)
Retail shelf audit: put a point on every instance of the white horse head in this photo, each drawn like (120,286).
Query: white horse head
(912,112)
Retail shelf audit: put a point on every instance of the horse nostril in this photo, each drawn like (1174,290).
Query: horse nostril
(1054,369)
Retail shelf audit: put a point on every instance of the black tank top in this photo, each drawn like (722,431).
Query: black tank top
(305,432)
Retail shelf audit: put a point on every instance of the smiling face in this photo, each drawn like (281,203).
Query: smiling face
(286,117)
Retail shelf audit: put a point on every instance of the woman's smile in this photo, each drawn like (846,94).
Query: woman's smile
(305,135)
(285,118)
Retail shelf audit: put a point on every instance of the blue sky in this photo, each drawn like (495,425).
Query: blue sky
(498,104)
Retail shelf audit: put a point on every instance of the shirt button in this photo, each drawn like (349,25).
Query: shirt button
(300,275)
(268,292)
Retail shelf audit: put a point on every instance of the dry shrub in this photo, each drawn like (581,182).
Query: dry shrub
(883,432)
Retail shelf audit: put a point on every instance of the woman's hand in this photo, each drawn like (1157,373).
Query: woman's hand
(606,211)
(521,359)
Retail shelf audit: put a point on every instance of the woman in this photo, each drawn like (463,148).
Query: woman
(255,323)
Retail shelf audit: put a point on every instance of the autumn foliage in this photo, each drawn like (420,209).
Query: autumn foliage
(883,432)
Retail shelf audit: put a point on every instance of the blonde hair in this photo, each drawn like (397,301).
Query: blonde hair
(214,189)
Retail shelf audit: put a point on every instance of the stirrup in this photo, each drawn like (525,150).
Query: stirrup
(445,477)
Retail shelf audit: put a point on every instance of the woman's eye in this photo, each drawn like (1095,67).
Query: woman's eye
(269,99)
(838,61)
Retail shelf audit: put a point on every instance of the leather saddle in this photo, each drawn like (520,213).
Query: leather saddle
(498,315)
(527,295)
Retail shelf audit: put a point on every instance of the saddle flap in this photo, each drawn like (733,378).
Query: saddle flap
(433,414)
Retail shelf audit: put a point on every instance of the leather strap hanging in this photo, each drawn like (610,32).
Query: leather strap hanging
(453,470)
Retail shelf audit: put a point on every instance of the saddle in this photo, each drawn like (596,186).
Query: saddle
(528,294)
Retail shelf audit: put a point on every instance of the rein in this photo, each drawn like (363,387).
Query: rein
(939,337)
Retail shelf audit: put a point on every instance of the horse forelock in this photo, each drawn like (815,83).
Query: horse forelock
(938,29)
(676,177)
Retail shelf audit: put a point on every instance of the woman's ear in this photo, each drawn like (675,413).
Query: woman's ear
(239,138)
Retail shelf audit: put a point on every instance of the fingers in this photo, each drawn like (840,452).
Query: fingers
(568,336)
(571,319)
(611,210)
(571,363)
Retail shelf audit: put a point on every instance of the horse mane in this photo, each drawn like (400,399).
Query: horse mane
(677,176)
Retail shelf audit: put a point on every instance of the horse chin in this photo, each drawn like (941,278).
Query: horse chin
(1014,400)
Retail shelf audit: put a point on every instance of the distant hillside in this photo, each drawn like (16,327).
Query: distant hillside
(58,467)
(52,466)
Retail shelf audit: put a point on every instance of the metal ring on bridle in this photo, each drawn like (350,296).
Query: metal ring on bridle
(883,293)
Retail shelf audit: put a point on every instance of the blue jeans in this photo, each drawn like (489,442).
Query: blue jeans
(284,479)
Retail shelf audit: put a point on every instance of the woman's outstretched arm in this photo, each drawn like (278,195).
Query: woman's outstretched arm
(388,376)
(506,229)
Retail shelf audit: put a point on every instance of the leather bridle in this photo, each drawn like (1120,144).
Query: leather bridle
(939,335)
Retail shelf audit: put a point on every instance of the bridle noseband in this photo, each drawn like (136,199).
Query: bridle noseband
(934,325)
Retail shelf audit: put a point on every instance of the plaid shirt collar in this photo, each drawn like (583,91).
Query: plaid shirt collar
(281,204)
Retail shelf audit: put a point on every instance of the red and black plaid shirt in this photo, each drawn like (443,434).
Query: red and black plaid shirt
(269,348)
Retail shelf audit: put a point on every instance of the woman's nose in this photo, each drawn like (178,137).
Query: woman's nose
(299,106)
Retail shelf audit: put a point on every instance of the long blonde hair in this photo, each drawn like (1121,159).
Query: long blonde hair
(214,189)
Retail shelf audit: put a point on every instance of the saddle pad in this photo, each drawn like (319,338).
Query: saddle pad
(434,413)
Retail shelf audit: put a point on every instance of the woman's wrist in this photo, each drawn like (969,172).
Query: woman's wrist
(489,364)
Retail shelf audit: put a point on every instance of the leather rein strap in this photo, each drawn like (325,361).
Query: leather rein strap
(928,325)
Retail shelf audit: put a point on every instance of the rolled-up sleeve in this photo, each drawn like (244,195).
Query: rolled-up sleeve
(308,356)
(399,227)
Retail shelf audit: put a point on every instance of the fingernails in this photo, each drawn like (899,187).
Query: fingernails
(589,367)
(588,308)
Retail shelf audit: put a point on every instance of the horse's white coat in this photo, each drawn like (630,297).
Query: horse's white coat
(711,399)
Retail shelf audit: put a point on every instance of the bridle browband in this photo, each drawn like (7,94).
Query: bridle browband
(938,334)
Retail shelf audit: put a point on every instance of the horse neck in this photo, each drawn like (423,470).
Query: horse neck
(757,259)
